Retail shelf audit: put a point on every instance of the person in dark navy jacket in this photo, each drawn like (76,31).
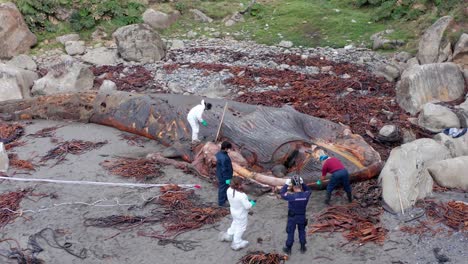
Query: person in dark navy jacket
(223,171)
(297,204)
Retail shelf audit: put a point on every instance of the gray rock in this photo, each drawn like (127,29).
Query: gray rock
(457,146)
(200,16)
(63,14)
(15,37)
(285,44)
(407,168)
(99,34)
(403,56)
(101,56)
(388,71)
(408,136)
(380,42)
(412,62)
(233,19)
(4,161)
(177,44)
(436,118)
(139,42)
(389,133)
(460,52)
(191,34)
(23,62)
(75,47)
(426,83)
(67,76)
(432,42)
(159,20)
(215,89)
(69,37)
(107,86)
(15,82)
(445,54)
(451,173)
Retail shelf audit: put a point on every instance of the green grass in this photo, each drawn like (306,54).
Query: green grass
(307,23)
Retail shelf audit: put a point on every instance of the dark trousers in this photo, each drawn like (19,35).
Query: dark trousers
(222,189)
(300,222)
(338,178)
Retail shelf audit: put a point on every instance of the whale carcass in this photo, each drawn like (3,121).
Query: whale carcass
(264,136)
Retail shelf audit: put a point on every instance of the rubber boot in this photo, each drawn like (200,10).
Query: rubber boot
(350,197)
(303,248)
(327,200)
(287,250)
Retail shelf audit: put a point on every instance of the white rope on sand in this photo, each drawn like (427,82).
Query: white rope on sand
(118,184)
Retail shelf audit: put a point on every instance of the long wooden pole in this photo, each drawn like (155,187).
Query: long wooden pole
(221,123)
(399,195)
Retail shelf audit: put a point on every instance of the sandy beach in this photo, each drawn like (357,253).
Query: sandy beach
(65,207)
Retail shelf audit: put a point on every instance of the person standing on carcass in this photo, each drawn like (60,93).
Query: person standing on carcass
(195,116)
(239,207)
(340,176)
(297,204)
(224,171)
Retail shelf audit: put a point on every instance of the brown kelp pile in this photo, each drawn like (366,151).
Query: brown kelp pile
(141,169)
(74,147)
(260,257)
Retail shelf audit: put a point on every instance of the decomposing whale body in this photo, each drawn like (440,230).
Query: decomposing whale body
(265,136)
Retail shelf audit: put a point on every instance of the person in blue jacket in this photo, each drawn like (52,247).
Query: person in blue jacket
(223,171)
(297,204)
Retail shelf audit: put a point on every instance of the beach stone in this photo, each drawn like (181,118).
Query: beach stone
(432,42)
(460,51)
(67,76)
(431,82)
(15,82)
(15,36)
(101,56)
(69,37)
(107,86)
(451,173)
(75,47)
(140,43)
(457,146)
(436,118)
(408,163)
(4,161)
(158,19)
(389,133)
(24,62)
(200,16)
(285,44)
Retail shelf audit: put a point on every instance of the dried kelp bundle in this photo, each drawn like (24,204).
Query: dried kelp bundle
(17,163)
(453,214)
(141,169)
(367,193)
(10,132)
(9,205)
(121,222)
(74,147)
(260,257)
(45,132)
(134,140)
(362,224)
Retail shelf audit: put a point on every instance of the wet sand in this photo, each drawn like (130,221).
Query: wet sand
(109,245)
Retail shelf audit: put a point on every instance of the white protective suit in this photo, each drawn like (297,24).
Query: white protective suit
(194,118)
(239,206)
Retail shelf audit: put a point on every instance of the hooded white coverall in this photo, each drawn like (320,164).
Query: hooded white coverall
(239,206)
(194,117)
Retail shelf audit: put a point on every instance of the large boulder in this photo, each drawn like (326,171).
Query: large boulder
(379,41)
(159,20)
(200,16)
(388,71)
(432,42)
(451,173)
(15,83)
(4,161)
(68,37)
(75,47)
(460,51)
(436,118)
(67,76)
(457,146)
(23,61)
(15,37)
(405,173)
(426,83)
(139,42)
(101,56)
(462,111)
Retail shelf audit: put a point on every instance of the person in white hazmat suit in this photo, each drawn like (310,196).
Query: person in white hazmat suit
(195,116)
(239,207)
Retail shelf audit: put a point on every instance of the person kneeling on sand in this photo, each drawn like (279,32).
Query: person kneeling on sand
(239,207)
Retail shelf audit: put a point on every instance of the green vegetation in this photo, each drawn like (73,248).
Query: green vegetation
(310,23)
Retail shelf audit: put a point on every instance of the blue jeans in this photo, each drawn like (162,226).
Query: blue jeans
(338,178)
(222,189)
(300,222)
